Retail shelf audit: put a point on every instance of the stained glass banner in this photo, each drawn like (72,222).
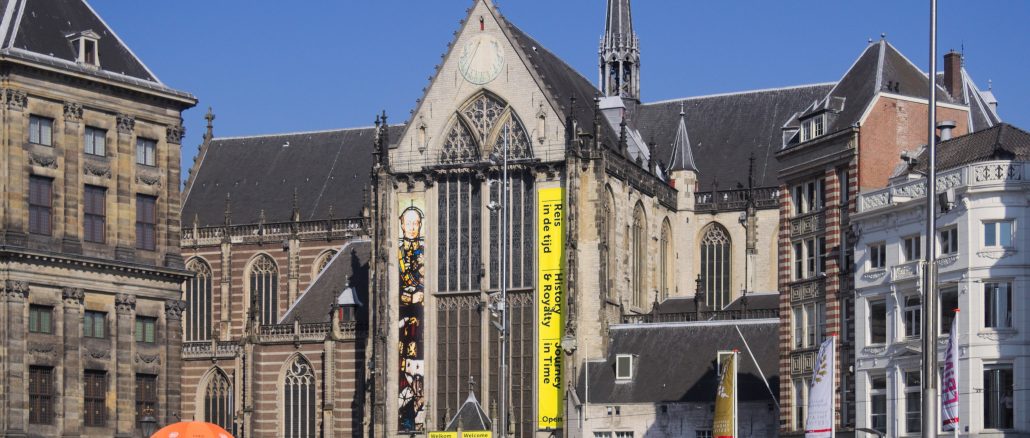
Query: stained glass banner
(411,400)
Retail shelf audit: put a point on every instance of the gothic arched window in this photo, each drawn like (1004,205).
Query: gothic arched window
(715,266)
(665,253)
(198,299)
(218,401)
(264,288)
(322,261)
(485,123)
(298,394)
(639,256)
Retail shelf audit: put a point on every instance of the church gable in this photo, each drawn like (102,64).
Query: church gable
(484,93)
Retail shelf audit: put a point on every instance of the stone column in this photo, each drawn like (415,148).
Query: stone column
(173,359)
(329,377)
(125,407)
(173,219)
(72,237)
(14,213)
(16,294)
(72,393)
(124,214)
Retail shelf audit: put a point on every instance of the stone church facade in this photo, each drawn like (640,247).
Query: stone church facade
(89,228)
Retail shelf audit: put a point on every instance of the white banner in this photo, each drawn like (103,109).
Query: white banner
(820,393)
(949,381)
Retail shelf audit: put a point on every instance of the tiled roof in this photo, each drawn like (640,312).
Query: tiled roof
(1001,142)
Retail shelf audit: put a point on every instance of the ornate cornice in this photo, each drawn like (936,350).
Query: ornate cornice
(72,112)
(174,134)
(174,308)
(125,303)
(16,291)
(126,124)
(72,296)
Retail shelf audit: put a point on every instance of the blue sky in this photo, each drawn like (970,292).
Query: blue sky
(281,66)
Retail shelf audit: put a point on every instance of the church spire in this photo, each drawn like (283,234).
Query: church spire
(682,157)
(619,53)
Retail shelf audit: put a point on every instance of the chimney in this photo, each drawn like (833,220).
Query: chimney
(953,74)
(946,127)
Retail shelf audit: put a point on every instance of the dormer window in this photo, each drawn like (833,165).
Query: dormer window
(813,127)
(86,48)
(623,367)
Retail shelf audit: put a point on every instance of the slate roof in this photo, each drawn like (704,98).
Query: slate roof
(563,83)
(618,24)
(1001,142)
(328,169)
(470,417)
(725,129)
(682,157)
(348,268)
(755,301)
(39,31)
(981,114)
(676,362)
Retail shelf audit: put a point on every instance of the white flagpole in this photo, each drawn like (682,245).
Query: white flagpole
(736,387)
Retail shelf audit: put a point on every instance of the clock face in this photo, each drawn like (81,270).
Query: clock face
(482,59)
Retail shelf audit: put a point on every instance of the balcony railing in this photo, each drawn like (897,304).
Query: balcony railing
(812,222)
(988,173)
(707,315)
(210,349)
(276,231)
(807,289)
(905,271)
(734,200)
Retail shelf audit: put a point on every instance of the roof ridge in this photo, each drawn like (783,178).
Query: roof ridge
(852,67)
(284,134)
(716,323)
(926,74)
(736,93)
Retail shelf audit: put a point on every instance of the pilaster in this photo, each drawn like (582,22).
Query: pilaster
(173,221)
(14,211)
(72,392)
(124,213)
(173,359)
(225,286)
(125,409)
(71,238)
(15,295)
(329,394)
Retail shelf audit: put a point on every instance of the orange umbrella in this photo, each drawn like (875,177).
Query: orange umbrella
(192,429)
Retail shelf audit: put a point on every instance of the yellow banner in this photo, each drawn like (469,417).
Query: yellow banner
(477,434)
(723,425)
(551,306)
(443,434)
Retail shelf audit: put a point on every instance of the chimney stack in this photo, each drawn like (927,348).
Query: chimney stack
(953,74)
(946,127)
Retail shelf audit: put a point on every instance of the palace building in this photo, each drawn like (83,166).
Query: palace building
(91,268)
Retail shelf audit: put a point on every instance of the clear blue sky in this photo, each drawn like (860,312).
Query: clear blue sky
(280,66)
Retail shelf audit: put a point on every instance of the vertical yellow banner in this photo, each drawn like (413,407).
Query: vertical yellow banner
(551,306)
(723,425)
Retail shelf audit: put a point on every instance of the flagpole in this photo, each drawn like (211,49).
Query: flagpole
(736,361)
(930,388)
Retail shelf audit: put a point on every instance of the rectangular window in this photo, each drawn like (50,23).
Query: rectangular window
(41,319)
(624,367)
(998,397)
(93,324)
(822,255)
(806,131)
(815,315)
(911,248)
(146,395)
(998,305)
(146,222)
(623,434)
(703,433)
(41,130)
(878,322)
(799,261)
(94,214)
(948,241)
(948,304)
(878,403)
(800,402)
(145,329)
(817,126)
(41,395)
(810,258)
(146,151)
(95,141)
(877,256)
(913,402)
(798,313)
(94,397)
(799,203)
(811,197)
(998,233)
(41,199)
(913,316)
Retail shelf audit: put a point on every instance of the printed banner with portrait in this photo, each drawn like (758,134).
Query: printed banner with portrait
(411,251)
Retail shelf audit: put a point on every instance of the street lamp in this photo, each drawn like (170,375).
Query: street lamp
(500,306)
(148,424)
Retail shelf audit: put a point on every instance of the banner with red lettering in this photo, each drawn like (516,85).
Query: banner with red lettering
(949,381)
